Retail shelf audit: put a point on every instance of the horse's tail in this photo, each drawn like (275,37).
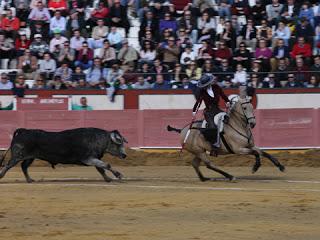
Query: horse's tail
(172,129)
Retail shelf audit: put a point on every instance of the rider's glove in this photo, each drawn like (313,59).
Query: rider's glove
(228,104)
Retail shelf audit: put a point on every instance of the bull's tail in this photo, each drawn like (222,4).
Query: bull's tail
(16,132)
(172,129)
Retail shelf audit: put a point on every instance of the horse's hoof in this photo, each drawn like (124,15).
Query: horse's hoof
(30,180)
(232,179)
(204,179)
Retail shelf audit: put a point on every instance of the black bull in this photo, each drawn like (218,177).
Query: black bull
(81,146)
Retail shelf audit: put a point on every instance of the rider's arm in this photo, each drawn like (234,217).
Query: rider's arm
(223,95)
(197,104)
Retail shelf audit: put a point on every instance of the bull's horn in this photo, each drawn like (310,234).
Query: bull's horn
(114,138)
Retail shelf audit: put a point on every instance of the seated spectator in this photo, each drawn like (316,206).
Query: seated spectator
(81,84)
(39,28)
(248,35)
(118,16)
(56,43)
(107,54)
(28,64)
(21,44)
(281,51)
(114,74)
(147,73)
(254,81)
(183,40)
(96,73)
(301,49)
(168,23)
(224,9)
(170,53)
(315,68)
(240,76)
(205,52)
(281,72)
(98,35)
(149,36)
(121,84)
(83,106)
(177,74)
(77,40)
(188,55)
(290,10)
(228,36)
(189,23)
(77,75)
(242,56)
(5,83)
(115,38)
(314,82)
(101,12)
(85,57)
(39,83)
(301,70)
(305,30)
(39,13)
(22,10)
(282,32)
(149,23)
(206,26)
(78,6)
(141,84)
(258,12)
(127,54)
(57,5)
(224,72)
(147,53)
(306,12)
(264,54)
(292,82)
(66,54)
(130,73)
(57,83)
(10,25)
(58,23)
(208,67)
(185,84)
(240,7)
(65,72)
(161,83)
(34,3)
(222,53)
(271,82)
(193,71)
(20,85)
(75,23)
(274,11)
(47,66)
(264,32)
(6,48)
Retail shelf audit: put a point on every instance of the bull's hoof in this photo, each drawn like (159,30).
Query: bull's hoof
(282,168)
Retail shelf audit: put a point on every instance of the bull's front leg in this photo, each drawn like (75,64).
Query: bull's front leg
(102,165)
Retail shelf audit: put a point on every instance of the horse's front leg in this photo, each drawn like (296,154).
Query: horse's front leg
(257,153)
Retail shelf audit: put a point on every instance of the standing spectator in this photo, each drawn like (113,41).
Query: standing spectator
(171,53)
(127,54)
(107,54)
(118,16)
(115,38)
(98,35)
(5,83)
(96,74)
(21,44)
(58,23)
(281,51)
(264,54)
(301,49)
(147,53)
(85,57)
(274,11)
(10,25)
(47,66)
(83,105)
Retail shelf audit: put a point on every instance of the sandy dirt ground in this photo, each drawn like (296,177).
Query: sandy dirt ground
(161,202)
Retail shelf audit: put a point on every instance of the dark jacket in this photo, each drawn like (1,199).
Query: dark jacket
(286,52)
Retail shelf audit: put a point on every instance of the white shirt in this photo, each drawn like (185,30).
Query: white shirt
(240,77)
(58,24)
(185,55)
(55,41)
(210,91)
(76,43)
(6,86)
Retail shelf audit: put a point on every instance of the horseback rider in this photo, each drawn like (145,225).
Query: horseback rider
(210,92)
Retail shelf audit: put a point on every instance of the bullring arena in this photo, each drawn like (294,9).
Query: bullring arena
(161,198)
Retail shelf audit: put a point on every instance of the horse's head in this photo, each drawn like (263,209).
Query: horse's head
(244,108)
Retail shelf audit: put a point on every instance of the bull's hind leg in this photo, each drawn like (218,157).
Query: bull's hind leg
(104,175)
(196,164)
(209,165)
(24,166)
(100,164)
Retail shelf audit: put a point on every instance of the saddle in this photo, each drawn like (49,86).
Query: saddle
(218,121)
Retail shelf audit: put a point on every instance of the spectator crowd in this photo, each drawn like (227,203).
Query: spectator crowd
(80,44)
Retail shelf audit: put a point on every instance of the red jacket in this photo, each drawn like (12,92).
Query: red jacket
(20,44)
(14,23)
(304,51)
(208,100)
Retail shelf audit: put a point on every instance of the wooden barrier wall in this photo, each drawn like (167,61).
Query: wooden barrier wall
(281,128)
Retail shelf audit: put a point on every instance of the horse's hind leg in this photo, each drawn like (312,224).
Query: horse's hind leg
(257,164)
(195,164)
(213,168)
(274,161)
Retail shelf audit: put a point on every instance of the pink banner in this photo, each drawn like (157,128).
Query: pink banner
(281,128)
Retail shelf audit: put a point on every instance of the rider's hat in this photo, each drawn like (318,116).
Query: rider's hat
(206,80)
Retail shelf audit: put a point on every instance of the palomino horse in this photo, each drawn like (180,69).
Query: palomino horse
(236,138)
